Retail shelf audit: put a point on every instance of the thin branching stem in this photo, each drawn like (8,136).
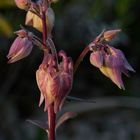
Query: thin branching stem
(44,27)
(80,58)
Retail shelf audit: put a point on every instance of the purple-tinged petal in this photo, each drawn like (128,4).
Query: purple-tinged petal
(127,65)
(114,71)
(15,47)
(121,57)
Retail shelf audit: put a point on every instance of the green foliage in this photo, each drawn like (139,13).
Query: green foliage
(6,3)
(123,6)
(5,27)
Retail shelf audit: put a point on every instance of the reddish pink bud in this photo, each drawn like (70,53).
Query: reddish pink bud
(54,83)
(20,48)
(23,4)
(110,34)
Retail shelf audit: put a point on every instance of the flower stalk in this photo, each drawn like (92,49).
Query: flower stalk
(44,27)
(51,122)
(81,57)
(51,113)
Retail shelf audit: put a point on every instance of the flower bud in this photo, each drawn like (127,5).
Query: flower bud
(109,35)
(54,84)
(21,47)
(23,4)
(35,21)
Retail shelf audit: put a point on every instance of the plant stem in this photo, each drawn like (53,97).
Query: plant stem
(44,27)
(80,58)
(51,122)
(51,113)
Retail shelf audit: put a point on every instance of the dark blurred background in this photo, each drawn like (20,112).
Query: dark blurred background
(116,113)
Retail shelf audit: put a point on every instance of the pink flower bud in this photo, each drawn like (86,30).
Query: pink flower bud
(109,35)
(36,22)
(20,48)
(23,4)
(54,83)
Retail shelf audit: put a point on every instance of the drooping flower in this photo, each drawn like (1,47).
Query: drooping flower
(21,47)
(54,83)
(23,4)
(36,22)
(112,63)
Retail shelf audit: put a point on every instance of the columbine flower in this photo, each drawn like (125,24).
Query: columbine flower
(23,4)
(36,22)
(112,63)
(21,47)
(54,83)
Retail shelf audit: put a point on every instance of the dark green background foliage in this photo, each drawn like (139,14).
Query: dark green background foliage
(115,115)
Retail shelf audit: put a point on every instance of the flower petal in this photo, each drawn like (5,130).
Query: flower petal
(96,59)
(21,48)
(114,71)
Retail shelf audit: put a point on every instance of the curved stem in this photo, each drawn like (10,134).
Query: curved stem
(80,58)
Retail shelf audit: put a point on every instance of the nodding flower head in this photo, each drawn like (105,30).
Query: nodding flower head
(21,47)
(23,4)
(111,62)
(54,82)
